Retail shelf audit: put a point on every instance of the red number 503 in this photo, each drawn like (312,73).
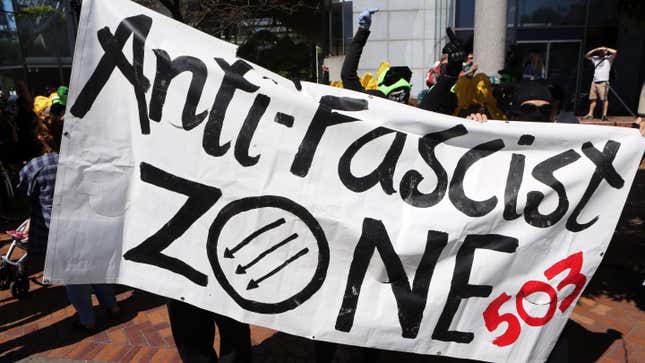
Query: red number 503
(493,319)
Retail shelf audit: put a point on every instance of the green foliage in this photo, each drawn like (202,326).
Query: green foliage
(39,10)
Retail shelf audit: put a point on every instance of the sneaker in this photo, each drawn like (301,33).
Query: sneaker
(587,117)
(604,118)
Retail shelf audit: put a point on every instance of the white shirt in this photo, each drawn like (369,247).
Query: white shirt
(603,66)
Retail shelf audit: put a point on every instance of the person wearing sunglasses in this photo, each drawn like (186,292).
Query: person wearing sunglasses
(532,101)
(393,84)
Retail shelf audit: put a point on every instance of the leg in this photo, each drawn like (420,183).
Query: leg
(325,351)
(605,99)
(592,107)
(194,332)
(81,297)
(604,109)
(605,106)
(592,100)
(106,297)
(235,340)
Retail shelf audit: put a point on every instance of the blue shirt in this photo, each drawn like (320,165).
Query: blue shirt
(37,180)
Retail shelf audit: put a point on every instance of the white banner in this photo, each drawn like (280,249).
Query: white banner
(322,212)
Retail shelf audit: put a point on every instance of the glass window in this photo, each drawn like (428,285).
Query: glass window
(340,26)
(510,13)
(43,28)
(602,12)
(465,14)
(347,24)
(551,12)
(563,61)
(336,29)
(9,44)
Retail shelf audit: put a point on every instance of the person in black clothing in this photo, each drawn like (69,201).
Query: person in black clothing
(393,84)
(532,102)
(325,76)
(193,330)
(440,98)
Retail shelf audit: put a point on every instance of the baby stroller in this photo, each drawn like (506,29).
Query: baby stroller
(12,273)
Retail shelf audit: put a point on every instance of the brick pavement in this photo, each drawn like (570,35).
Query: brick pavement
(607,325)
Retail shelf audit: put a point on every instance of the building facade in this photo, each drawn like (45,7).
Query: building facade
(36,43)
(403,32)
(555,34)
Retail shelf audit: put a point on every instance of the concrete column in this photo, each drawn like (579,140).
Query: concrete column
(490,35)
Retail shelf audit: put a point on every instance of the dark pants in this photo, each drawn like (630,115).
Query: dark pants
(325,353)
(33,264)
(194,332)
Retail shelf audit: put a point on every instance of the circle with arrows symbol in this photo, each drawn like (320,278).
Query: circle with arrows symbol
(268,253)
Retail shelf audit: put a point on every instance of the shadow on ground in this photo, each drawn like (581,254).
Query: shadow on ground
(620,275)
(63,333)
(576,345)
(285,348)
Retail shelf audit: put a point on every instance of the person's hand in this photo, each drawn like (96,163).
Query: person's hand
(641,123)
(475,66)
(456,57)
(365,18)
(479,117)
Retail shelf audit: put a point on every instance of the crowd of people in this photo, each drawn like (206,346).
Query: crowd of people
(31,130)
(532,100)
(455,88)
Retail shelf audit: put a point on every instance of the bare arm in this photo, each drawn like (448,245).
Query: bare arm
(472,70)
(591,52)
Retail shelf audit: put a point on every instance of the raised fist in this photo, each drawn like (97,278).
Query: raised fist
(456,56)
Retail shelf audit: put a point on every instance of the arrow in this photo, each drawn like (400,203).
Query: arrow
(231,253)
(242,269)
(253,284)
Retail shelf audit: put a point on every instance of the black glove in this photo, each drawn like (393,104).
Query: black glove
(456,57)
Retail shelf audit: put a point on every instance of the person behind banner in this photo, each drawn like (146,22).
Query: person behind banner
(193,330)
(441,97)
(393,84)
(602,59)
(532,102)
(37,181)
(533,68)
(469,67)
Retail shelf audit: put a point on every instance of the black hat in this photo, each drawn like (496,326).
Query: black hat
(531,90)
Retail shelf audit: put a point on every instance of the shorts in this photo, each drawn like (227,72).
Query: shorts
(598,90)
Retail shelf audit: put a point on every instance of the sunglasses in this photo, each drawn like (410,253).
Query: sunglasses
(401,95)
(530,108)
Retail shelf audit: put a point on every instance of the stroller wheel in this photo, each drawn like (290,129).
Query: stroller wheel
(5,277)
(19,287)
